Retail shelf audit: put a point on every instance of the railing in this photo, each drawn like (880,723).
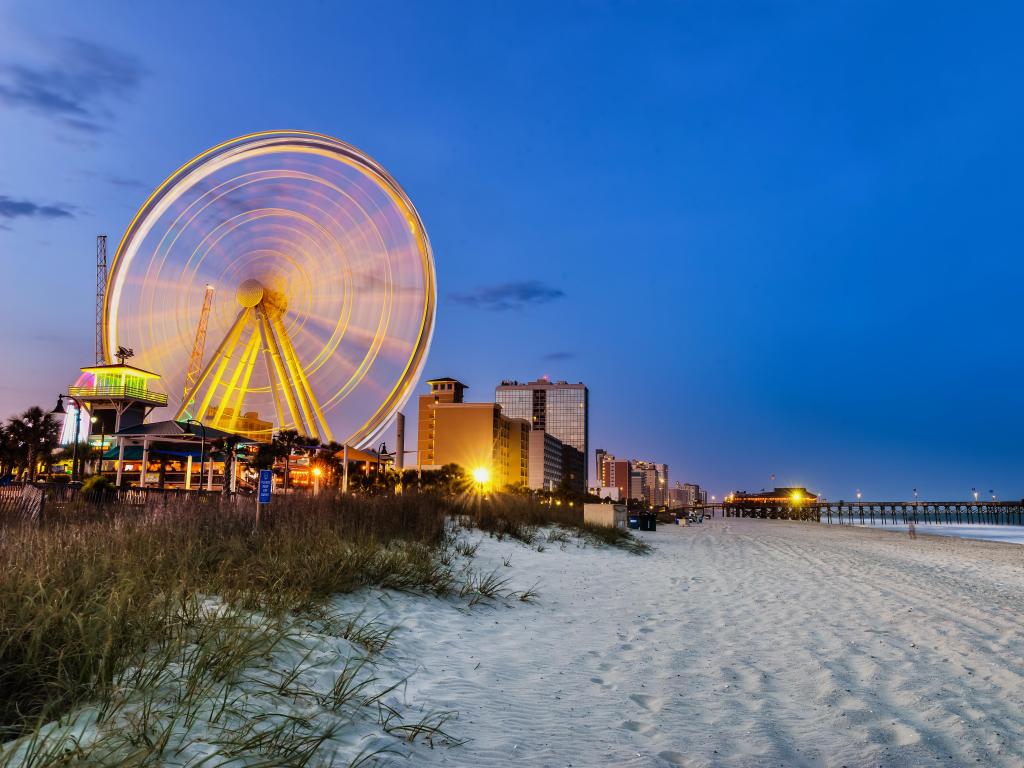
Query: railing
(882,512)
(127,392)
(934,512)
(14,499)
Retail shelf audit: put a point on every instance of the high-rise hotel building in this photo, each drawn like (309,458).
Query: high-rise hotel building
(635,479)
(472,435)
(559,408)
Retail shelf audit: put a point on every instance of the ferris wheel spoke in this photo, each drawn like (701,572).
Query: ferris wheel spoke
(295,375)
(269,364)
(220,359)
(244,388)
(279,369)
(307,398)
(229,345)
(240,367)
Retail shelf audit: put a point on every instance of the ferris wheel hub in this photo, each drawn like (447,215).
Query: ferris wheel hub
(250,293)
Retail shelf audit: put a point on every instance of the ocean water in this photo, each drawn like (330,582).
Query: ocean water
(1010,534)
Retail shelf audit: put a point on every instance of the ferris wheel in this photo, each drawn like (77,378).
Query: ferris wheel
(284,274)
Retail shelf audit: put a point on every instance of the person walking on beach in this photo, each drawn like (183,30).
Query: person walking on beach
(912,530)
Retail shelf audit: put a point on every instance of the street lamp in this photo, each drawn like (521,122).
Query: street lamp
(975,492)
(59,411)
(993,494)
(858,494)
(915,494)
(316,480)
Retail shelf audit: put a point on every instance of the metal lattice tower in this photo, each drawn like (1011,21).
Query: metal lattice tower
(101,293)
(195,362)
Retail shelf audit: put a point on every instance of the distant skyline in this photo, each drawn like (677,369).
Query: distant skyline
(770,238)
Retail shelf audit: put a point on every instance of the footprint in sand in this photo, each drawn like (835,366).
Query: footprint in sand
(905,736)
(673,758)
(650,703)
(644,729)
(598,680)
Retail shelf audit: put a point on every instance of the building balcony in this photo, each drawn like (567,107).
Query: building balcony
(125,392)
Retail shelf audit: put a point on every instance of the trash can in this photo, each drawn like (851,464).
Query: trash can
(633,521)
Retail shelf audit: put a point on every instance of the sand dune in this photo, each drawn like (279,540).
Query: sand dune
(736,643)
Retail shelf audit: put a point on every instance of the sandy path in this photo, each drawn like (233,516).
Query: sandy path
(736,643)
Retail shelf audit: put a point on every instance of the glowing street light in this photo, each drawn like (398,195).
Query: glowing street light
(481,476)
(797,497)
(975,492)
(858,494)
(316,480)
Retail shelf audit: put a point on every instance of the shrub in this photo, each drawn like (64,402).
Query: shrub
(97,484)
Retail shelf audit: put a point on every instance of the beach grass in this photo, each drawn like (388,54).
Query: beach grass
(83,595)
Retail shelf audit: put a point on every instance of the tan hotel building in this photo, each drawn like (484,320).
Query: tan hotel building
(471,435)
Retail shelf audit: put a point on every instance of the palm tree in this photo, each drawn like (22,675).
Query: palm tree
(35,433)
(284,444)
(8,452)
(79,455)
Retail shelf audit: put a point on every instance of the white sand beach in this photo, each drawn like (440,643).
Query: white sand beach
(735,643)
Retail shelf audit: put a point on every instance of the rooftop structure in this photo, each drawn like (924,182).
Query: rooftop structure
(787,495)
(118,395)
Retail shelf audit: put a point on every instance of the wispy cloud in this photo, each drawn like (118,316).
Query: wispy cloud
(505,296)
(76,88)
(123,182)
(559,356)
(13,209)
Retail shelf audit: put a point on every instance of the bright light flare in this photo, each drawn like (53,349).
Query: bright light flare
(482,475)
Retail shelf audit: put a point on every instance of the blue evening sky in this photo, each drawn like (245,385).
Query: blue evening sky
(770,237)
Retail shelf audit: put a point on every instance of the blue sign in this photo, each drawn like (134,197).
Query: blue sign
(266,485)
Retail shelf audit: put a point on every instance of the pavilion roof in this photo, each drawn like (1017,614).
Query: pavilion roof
(183,431)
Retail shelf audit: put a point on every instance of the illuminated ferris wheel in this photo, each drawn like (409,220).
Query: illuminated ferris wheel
(283,273)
